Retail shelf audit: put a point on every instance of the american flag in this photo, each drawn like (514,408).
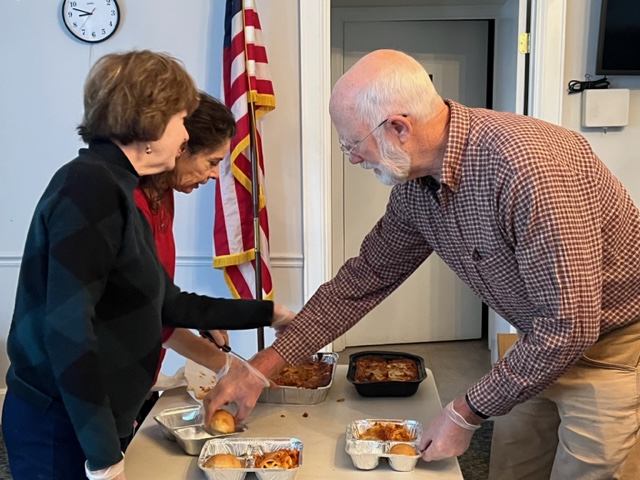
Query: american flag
(248,92)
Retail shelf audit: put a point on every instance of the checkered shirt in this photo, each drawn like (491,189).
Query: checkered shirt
(528,216)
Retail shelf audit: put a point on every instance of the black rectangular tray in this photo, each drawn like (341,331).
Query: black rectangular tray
(386,389)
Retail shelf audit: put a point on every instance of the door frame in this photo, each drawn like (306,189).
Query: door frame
(547,63)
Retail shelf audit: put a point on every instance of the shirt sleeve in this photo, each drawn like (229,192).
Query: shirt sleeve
(190,310)
(389,253)
(83,244)
(553,221)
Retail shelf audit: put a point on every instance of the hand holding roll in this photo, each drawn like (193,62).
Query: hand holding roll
(241,384)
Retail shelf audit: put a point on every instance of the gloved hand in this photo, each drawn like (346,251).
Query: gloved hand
(228,360)
(231,361)
(448,435)
(241,383)
(282,317)
(114,472)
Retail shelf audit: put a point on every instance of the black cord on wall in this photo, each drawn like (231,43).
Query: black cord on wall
(576,86)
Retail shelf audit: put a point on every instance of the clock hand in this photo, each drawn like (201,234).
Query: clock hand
(85,22)
(83,11)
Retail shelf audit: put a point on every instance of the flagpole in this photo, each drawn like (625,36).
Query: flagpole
(255,197)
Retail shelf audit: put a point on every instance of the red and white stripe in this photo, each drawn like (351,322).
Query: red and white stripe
(246,83)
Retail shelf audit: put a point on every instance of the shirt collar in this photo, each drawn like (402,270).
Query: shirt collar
(111,153)
(458,135)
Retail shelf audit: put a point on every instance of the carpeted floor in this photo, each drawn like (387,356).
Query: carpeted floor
(474,463)
(4,464)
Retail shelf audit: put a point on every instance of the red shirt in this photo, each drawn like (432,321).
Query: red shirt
(161,223)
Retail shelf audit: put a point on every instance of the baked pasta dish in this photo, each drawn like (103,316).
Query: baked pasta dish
(310,374)
(375,368)
(283,458)
(386,431)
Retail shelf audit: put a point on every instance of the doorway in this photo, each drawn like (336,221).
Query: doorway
(316,63)
(433,304)
(458,54)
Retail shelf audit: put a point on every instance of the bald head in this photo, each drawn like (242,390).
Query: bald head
(383,83)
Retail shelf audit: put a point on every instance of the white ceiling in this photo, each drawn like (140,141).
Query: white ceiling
(411,3)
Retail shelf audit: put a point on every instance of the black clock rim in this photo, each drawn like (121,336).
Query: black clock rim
(86,40)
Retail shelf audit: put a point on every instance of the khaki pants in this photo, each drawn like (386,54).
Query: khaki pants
(584,426)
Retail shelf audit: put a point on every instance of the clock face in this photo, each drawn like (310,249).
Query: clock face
(91,20)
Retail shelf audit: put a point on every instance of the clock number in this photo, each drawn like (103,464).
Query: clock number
(89,22)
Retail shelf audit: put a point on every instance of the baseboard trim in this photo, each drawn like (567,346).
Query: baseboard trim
(10,260)
(282,260)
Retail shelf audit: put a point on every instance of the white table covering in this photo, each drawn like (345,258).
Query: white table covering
(322,431)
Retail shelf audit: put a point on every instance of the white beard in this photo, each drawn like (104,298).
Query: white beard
(393,166)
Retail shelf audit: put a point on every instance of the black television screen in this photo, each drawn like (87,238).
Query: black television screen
(619,38)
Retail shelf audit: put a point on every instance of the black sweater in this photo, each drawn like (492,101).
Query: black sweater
(86,330)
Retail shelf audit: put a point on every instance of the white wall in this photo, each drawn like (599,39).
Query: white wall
(42,70)
(618,148)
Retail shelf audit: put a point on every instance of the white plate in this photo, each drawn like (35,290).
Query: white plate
(199,379)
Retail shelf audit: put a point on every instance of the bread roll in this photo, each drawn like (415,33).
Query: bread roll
(222,460)
(223,421)
(402,449)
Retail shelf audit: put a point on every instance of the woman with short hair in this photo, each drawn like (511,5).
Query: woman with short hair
(92,296)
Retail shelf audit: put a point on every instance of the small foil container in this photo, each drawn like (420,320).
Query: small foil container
(302,396)
(179,417)
(366,454)
(184,425)
(244,449)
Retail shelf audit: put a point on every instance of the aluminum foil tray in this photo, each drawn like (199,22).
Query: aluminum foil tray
(366,454)
(244,449)
(173,418)
(302,396)
(184,425)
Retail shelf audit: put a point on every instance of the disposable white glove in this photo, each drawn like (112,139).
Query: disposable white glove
(448,435)
(241,383)
(114,472)
(282,317)
(228,359)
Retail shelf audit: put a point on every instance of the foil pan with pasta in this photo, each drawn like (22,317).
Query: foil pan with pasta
(370,440)
(269,458)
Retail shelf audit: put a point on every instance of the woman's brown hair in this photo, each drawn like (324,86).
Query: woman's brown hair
(132,96)
(209,127)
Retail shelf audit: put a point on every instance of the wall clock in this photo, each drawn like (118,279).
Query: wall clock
(91,21)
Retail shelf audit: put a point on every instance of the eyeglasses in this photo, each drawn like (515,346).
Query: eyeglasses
(348,151)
